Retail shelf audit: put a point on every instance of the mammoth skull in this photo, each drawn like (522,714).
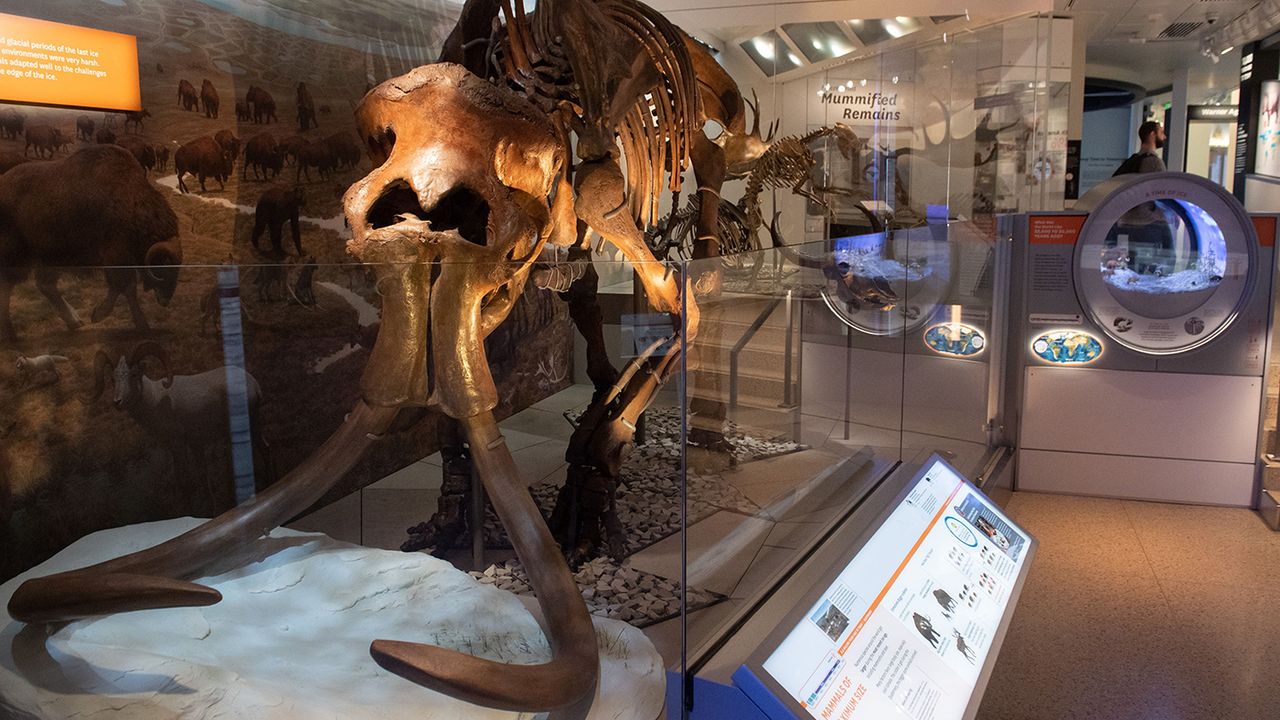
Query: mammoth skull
(467,188)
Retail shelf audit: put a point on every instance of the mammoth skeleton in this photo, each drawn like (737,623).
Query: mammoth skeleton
(511,145)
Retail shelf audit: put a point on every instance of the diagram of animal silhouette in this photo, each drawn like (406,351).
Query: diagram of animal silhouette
(925,626)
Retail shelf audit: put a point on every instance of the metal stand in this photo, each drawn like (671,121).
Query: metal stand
(477,520)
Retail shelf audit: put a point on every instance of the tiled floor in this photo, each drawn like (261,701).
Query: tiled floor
(1142,611)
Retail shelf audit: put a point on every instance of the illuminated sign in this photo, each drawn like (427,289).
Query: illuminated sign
(955,339)
(908,625)
(1067,347)
(48,63)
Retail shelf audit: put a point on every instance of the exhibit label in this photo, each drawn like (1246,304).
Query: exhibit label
(49,63)
(905,628)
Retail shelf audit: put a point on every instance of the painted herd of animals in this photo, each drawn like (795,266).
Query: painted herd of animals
(113,150)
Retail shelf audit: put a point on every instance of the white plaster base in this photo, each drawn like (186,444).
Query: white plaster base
(290,639)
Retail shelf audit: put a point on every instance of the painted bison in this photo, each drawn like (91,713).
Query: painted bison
(275,207)
(262,104)
(105,136)
(92,209)
(209,99)
(12,123)
(141,150)
(314,155)
(188,98)
(242,111)
(162,157)
(11,160)
(345,150)
(84,128)
(204,158)
(264,154)
(45,139)
(229,142)
(292,146)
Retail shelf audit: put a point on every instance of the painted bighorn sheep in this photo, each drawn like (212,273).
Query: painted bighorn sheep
(190,412)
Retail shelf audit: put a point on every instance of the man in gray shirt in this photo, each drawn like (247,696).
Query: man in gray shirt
(1147,159)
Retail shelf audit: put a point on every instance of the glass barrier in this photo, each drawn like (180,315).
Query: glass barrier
(680,484)
(817,367)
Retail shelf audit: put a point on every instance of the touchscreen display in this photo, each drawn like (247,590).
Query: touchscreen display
(904,629)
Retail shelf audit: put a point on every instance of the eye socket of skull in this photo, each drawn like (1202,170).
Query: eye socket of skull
(458,145)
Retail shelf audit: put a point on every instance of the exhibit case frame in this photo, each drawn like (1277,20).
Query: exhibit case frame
(351,453)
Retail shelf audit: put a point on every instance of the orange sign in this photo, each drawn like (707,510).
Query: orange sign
(1265,225)
(1055,229)
(48,63)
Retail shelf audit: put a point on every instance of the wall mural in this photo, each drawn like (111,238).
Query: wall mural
(246,144)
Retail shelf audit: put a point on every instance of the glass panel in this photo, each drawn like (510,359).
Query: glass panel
(819,41)
(770,53)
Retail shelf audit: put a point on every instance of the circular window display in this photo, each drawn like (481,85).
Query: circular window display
(882,286)
(1164,262)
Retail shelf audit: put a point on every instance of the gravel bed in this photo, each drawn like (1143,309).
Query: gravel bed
(610,590)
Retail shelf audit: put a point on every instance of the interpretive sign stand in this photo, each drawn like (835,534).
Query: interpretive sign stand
(911,620)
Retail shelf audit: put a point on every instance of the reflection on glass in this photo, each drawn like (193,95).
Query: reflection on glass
(1067,347)
(1164,258)
(770,53)
(818,41)
(874,31)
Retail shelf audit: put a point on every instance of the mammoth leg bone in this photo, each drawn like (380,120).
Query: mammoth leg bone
(706,429)
(151,578)
(567,682)
(450,521)
(584,509)
(584,311)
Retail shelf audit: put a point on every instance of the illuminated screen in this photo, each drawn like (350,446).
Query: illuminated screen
(1267,159)
(905,628)
(48,63)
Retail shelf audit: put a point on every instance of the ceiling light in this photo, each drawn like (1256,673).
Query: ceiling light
(864,82)
(764,47)
(794,60)
(895,79)
(838,47)
(826,86)
(817,44)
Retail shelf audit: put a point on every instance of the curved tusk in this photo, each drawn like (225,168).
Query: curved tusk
(568,681)
(142,580)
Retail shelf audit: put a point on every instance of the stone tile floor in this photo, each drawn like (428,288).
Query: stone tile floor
(1142,611)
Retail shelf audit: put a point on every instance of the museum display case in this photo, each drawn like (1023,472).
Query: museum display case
(331,379)
(1142,316)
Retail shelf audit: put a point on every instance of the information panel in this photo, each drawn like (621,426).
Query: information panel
(49,63)
(906,627)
